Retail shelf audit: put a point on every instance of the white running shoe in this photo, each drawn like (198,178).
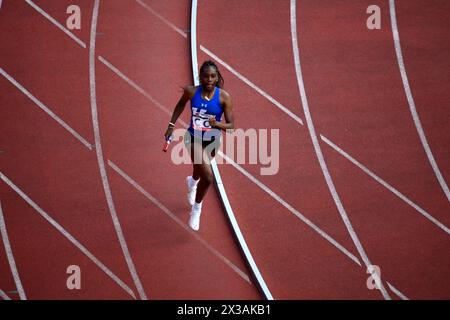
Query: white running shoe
(192,189)
(194,220)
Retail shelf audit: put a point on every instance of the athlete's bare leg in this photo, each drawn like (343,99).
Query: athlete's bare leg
(201,170)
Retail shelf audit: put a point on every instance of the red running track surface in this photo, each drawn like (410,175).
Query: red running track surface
(61,175)
(357,101)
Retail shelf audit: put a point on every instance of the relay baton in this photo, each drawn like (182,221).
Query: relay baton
(167,143)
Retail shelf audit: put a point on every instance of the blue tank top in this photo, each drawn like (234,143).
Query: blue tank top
(201,111)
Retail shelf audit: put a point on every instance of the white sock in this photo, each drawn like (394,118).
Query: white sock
(194,219)
(193,182)
(197,206)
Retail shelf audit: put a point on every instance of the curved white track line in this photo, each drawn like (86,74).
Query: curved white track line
(66,234)
(218,180)
(10,256)
(318,150)
(100,159)
(412,105)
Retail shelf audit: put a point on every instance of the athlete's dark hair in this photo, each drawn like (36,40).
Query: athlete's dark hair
(209,63)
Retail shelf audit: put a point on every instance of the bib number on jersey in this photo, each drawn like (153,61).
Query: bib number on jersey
(200,120)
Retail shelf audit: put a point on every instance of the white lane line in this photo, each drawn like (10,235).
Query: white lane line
(3,295)
(386,185)
(46,109)
(67,235)
(100,159)
(290,208)
(167,22)
(412,105)
(193,42)
(10,256)
(56,23)
(397,292)
(172,215)
(319,153)
(252,85)
(134,85)
(227,66)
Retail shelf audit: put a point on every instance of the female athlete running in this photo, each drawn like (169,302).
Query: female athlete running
(202,139)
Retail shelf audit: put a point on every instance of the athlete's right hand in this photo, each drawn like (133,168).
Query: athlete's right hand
(168,132)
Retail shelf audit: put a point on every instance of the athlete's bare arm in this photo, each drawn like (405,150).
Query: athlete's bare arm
(227,105)
(188,93)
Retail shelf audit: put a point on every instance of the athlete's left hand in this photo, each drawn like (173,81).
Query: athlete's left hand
(212,121)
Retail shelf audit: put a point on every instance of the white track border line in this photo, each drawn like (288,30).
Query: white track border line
(412,105)
(319,153)
(66,234)
(174,217)
(218,180)
(100,159)
(10,256)
(165,110)
(236,73)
